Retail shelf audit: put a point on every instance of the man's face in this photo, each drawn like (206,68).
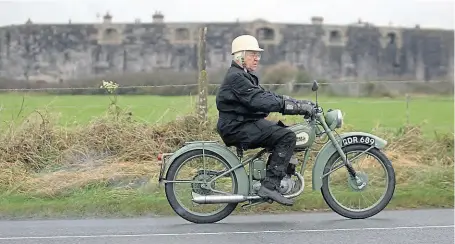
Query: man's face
(252,60)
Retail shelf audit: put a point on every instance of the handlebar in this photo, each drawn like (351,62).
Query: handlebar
(316,109)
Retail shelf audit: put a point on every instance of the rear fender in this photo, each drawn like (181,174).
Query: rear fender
(329,149)
(222,151)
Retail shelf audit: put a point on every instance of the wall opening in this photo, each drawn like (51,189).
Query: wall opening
(391,37)
(125,60)
(97,53)
(335,36)
(66,57)
(182,34)
(110,34)
(8,38)
(181,51)
(265,34)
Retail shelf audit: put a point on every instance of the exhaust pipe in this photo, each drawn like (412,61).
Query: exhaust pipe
(211,199)
(219,199)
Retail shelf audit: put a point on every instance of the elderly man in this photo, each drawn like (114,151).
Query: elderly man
(243,106)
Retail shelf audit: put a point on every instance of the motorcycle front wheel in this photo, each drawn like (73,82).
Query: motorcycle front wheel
(349,188)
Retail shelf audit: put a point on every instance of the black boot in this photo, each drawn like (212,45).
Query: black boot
(264,192)
(268,189)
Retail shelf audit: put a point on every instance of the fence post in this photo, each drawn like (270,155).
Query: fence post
(202,82)
(407,108)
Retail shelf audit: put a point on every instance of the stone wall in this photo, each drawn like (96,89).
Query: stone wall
(59,52)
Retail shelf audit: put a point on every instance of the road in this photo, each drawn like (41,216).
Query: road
(400,227)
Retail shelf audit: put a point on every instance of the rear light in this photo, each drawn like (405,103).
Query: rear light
(160,157)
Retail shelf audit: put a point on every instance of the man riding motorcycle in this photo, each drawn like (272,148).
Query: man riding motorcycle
(243,106)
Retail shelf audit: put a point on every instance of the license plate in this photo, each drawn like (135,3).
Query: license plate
(358,140)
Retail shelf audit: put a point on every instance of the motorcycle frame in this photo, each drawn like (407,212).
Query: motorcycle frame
(318,116)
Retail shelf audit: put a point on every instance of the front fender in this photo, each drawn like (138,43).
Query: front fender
(329,149)
(223,151)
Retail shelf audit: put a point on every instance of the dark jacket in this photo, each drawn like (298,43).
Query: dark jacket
(243,104)
(241,94)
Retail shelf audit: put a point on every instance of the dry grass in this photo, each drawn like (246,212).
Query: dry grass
(409,149)
(39,158)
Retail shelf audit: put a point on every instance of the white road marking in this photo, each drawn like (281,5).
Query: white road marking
(224,233)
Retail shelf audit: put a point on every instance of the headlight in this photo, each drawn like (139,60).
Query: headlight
(339,118)
(334,118)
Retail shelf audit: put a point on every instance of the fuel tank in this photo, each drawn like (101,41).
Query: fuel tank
(305,133)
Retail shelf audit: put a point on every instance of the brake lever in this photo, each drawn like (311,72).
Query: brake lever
(316,110)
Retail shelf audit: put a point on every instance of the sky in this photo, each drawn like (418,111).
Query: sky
(402,13)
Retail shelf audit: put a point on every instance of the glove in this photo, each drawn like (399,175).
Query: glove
(312,104)
(285,97)
(300,107)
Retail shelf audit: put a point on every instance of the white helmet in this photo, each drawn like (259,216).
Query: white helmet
(245,43)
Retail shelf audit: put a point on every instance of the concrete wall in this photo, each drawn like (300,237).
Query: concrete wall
(61,52)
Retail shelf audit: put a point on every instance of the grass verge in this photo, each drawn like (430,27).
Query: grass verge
(102,202)
(108,168)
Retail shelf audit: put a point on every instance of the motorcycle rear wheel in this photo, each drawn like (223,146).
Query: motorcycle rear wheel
(178,208)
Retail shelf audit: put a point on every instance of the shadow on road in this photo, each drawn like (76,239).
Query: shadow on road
(289,224)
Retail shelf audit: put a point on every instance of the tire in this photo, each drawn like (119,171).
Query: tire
(178,209)
(369,212)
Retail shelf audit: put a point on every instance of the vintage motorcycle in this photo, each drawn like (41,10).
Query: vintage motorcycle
(329,160)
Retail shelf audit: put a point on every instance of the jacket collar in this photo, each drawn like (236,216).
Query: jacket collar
(251,75)
(236,65)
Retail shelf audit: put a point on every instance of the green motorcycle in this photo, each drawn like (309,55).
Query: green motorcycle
(244,175)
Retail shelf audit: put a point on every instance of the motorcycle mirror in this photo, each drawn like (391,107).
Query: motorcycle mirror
(315,86)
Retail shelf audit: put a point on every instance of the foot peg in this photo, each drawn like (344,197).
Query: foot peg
(257,202)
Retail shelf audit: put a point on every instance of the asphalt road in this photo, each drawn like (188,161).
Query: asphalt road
(400,227)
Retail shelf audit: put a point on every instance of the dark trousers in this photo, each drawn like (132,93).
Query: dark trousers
(265,134)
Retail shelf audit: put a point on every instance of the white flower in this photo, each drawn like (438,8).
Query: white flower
(110,86)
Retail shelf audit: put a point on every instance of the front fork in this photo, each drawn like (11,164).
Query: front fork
(332,138)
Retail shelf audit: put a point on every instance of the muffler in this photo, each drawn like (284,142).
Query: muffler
(201,199)
(219,199)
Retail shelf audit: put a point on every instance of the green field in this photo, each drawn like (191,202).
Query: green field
(433,113)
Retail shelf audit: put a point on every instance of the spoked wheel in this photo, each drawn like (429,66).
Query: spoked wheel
(194,170)
(359,199)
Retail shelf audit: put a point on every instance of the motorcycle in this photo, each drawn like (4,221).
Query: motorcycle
(246,182)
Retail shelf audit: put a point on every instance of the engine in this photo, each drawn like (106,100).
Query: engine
(287,184)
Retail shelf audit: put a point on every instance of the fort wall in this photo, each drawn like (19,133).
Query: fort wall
(59,52)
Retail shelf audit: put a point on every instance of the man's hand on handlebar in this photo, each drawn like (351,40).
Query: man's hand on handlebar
(297,107)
